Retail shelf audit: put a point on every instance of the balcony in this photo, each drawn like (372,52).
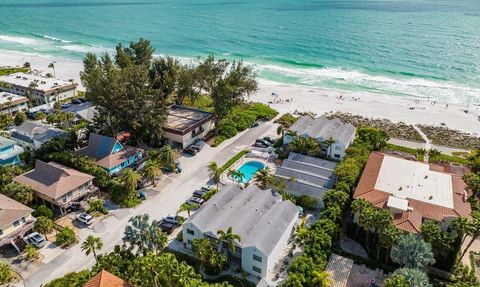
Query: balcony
(75,195)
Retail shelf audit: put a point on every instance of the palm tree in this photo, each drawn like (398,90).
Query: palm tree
(188,207)
(473,230)
(460,226)
(152,170)
(434,154)
(129,179)
(236,176)
(412,251)
(168,157)
(214,172)
(52,66)
(329,142)
(227,238)
(322,278)
(91,245)
(144,234)
(414,277)
(31,252)
(263,177)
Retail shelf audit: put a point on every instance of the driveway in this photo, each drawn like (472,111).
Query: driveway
(172,192)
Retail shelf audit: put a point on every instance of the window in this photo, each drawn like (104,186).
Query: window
(16,223)
(256,269)
(190,242)
(337,147)
(257,258)
(1,232)
(336,155)
(191,232)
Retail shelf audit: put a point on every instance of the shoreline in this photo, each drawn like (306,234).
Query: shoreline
(307,99)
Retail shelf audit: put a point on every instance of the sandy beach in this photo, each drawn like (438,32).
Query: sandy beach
(290,98)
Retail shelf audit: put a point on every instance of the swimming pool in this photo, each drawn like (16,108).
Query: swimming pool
(248,169)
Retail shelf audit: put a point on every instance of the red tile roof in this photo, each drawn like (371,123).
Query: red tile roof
(105,279)
(411,220)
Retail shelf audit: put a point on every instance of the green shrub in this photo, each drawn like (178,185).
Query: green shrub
(72,279)
(65,237)
(228,131)
(286,120)
(307,202)
(218,140)
(6,273)
(233,160)
(44,211)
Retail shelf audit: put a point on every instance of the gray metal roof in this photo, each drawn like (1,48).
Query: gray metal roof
(312,176)
(37,131)
(259,217)
(322,128)
(312,160)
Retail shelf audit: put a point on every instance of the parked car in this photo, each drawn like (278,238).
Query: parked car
(65,106)
(267,143)
(270,140)
(254,125)
(45,111)
(167,227)
(35,239)
(196,200)
(191,151)
(85,218)
(82,99)
(199,193)
(31,115)
(171,218)
(178,168)
(141,195)
(76,101)
(207,187)
(260,144)
(73,207)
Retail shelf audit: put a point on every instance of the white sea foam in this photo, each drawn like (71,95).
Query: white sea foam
(19,40)
(85,49)
(55,39)
(409,86)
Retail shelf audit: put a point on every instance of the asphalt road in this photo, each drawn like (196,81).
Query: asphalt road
(169,195)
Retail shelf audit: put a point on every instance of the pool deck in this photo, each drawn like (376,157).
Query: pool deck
(224,179)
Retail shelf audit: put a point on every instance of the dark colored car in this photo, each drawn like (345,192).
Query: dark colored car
(141,195)
(167,227)
(76,101)
(31,115)
(260,144)
(82,99)
(199,193)
(254,125)
(190,150)
(269,139)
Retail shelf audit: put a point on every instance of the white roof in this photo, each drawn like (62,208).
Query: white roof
(322,129)
(414,180)
(397,203)
(5,98)
(43,83)
(259,217)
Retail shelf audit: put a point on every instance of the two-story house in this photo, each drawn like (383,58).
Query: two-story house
(32,135)
(263,221)
(333,135)
(9,152)
(57,184)
(110,154)
(413,191)
(15,220)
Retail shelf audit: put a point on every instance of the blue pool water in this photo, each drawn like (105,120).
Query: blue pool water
(249,169)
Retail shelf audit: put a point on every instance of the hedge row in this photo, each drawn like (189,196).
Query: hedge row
(319,238)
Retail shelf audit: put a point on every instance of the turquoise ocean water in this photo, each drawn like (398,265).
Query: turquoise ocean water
(414,48)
